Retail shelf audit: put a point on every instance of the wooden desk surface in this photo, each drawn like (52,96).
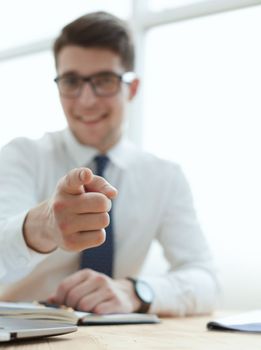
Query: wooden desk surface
(174,333)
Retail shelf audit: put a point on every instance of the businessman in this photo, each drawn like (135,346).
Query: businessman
(55,201)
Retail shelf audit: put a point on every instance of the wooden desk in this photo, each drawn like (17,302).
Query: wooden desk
(175,334)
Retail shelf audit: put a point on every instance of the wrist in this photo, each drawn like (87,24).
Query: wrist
(135,302)
(144,293)
(35,230)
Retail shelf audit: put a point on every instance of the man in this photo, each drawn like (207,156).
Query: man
(41,243)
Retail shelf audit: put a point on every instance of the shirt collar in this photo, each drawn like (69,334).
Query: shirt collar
(122,154)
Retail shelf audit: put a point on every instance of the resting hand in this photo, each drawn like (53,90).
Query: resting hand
(91,291)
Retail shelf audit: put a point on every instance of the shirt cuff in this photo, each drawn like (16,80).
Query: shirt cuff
(171,299)
(158,304)
(183,293)
(15,254)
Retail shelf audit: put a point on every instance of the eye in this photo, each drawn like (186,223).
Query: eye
(105,81)
(70,82)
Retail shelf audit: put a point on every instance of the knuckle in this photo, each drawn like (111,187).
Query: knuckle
(104,219)
(62,287)
(99,237)
(89,273)
(85,273)
(67,180)
(58,205)
(63,226)
(71,243)
(110,292)
(71,296)
(104,203)
(100,279)
(117,301)
(83,305)
(100,202)
(98,309)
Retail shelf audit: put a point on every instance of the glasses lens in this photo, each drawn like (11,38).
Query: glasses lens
(69,86)
(106,84)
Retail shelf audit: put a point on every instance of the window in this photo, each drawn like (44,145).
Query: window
(27,21)
(156,5)
(29,99)
(202,108)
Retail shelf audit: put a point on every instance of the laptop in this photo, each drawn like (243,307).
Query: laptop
(12,329)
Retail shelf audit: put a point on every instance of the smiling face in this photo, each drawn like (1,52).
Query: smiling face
(95,121)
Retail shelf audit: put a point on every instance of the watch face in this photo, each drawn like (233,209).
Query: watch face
(144,291)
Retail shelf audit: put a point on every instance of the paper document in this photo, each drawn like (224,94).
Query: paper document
(245,322)
(68,315)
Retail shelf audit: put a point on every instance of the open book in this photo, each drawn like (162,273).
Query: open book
(245,322)
(68,315)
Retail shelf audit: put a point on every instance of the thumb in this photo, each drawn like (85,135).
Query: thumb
(74,181)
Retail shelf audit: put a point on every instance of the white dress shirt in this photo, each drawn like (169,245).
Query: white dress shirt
(154,202)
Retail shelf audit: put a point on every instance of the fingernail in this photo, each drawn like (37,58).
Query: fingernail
(110,188)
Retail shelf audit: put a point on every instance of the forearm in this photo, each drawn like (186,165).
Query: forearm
(37,231)
(17,259)
(184,292)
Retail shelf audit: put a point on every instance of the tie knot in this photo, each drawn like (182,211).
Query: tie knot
(101,161)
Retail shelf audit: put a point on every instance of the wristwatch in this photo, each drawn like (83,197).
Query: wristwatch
(144,292)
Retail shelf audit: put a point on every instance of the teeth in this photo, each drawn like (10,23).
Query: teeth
(89,120)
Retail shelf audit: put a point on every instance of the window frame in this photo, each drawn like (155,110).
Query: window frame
(141,20)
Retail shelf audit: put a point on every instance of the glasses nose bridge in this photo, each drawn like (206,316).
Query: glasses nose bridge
(87,81)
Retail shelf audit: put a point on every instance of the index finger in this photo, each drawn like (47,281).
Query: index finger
(99,184)
(82,180)
(67,284)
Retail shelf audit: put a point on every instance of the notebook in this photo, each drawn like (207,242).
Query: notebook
(244,322)
(63,314)
(13,329)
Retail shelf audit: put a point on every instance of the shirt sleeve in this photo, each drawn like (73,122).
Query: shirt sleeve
(190,286)
(18,165)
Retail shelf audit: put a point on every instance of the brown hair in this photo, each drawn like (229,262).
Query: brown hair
(98,30)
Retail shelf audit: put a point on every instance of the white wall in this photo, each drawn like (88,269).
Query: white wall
(202,108)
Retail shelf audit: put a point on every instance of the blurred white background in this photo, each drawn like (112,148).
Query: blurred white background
(199,105)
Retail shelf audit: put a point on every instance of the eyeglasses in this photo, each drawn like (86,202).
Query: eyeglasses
(103,84)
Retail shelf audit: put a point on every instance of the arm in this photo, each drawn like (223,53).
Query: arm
(190,286)
(25,225)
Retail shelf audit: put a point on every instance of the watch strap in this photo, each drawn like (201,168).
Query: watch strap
(144,307)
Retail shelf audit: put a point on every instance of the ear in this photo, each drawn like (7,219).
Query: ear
(133,88)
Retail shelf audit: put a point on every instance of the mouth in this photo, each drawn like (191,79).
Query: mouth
(92,120)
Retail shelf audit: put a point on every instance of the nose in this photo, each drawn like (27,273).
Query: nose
(87,95)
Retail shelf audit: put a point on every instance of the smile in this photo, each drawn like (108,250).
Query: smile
(92,121)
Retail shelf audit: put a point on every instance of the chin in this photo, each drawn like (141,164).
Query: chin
(88,141)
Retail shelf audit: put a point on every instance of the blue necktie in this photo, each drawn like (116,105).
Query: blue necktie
(100,258)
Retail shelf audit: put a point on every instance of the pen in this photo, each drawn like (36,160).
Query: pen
(47,304)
